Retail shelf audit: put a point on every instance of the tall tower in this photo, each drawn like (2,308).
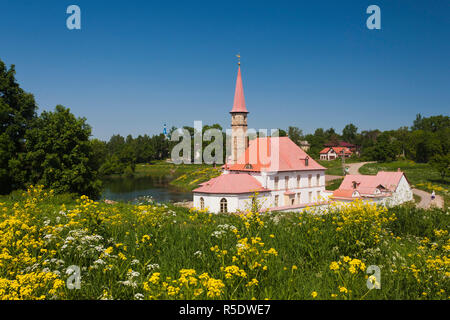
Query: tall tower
(239,141)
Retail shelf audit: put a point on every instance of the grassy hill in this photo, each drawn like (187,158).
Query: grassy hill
(182,176)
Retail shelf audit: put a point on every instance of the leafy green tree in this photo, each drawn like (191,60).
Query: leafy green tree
(17,110)
(282,133)
(331,136)
(426,145)
(316,141)
(349,133)
(112,165)
(368,138)
(295,134)
(431,124)
(115,144)
(100,151)
(385,149)
(60,155)
(383,152)
(442,164)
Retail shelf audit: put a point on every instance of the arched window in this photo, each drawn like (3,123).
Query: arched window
(223,205)
(202,203)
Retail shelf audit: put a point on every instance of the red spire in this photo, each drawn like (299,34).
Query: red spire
(239,100)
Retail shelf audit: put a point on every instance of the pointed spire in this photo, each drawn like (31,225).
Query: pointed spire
(239,100)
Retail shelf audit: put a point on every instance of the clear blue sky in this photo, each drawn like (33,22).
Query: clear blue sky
(136,65)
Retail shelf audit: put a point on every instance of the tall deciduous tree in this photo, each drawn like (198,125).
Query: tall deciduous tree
(349,133)
(295,134)
(442,164)
(17,110)
(60,155)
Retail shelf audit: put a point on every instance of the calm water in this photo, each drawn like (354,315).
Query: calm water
(128,189)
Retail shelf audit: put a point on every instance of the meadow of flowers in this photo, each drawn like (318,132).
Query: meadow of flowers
(154,251)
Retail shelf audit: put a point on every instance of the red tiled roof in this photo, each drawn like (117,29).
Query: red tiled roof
(346,144)
(232,183)
(290,156)
(344,193)
(390,180)
(338,150)
(339,144)
(366,185)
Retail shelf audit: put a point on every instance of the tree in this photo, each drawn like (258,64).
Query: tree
(331,136)
(349,133)
(100,151)
(442,164)
(282,133)
(60,155)
(385,148)
(316,141)
(295,134)
(418,123)
(17,110)
(383,152)
(426,145)
(116,143)
(431,124)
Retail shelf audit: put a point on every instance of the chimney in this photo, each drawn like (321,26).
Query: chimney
(306,161)
(398,170)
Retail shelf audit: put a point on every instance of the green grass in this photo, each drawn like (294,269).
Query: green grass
(417,198)
(163,168)
(420,175)
(334,167)
(305,245)
(334,184)
(183,176)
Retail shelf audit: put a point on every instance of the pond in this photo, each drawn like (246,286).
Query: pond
(129,189)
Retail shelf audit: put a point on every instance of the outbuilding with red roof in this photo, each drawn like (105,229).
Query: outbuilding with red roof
(332,153)
(387,188)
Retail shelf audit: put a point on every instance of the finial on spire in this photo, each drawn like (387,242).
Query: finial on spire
(239,58)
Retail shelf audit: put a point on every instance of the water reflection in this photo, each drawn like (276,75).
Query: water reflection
(128,189)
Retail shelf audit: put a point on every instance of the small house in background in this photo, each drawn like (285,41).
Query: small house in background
(386,188)
(304,145)
(352,147)
(333,153)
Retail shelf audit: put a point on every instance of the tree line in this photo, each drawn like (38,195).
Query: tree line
(120,155)
(427,140)
(55,148)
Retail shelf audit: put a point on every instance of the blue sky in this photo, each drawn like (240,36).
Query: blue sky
(136,65)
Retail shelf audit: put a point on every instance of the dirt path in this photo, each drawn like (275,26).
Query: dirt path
(354,167)
(425,199)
